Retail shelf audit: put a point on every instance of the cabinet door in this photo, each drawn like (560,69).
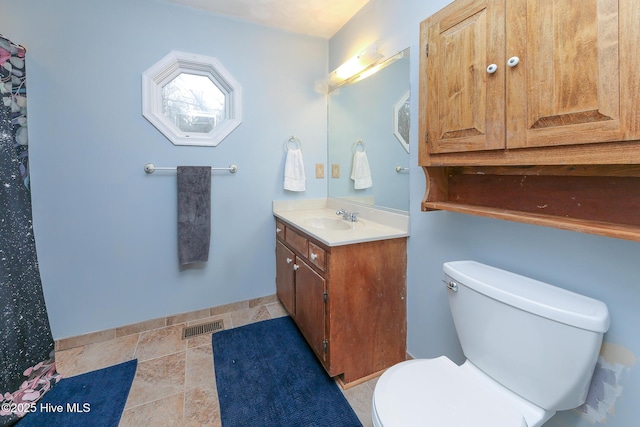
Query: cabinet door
(464,102)
(285,277)
(566,87)
(310,307)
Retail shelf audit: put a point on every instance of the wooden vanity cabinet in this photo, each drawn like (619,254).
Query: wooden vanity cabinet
(285,277)
(310,289)
(528,111)
(348,301)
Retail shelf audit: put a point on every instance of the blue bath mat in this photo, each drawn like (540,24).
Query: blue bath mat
(96,398)
(267,376)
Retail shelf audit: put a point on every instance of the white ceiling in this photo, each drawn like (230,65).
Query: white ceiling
(320,18)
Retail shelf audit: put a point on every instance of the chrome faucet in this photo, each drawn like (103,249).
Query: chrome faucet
(348,216)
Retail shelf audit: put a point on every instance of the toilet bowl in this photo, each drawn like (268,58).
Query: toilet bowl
(439,393)
(531,350)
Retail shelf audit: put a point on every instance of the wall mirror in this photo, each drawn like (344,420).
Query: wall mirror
(375,111)
(192,99)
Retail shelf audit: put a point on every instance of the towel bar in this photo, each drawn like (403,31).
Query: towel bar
(151,168)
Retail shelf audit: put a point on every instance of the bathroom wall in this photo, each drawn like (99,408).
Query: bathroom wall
(600,267)
(105,231)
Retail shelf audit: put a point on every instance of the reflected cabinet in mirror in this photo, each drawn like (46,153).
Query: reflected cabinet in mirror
(368,147)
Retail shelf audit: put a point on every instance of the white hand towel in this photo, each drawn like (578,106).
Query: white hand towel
(294,177)
(360,172)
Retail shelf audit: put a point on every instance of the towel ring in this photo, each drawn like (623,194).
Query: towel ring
(295,141)
(359,143)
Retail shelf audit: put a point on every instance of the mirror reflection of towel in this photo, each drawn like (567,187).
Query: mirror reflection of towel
(360,172)
(294,177)
(194,213)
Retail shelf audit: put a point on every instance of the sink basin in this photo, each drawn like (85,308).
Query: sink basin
(326,223)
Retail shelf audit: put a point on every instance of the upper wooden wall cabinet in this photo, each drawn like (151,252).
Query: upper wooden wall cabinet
(530,111)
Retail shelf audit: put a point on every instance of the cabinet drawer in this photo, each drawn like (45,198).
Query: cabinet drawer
(297,241)
(280,230)
(317,256)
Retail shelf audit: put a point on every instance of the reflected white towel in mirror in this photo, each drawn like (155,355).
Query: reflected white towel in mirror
(360,172)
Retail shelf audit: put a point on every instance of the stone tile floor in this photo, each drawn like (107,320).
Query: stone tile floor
(175,381)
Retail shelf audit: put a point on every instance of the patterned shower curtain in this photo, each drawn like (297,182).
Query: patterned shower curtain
(27,368)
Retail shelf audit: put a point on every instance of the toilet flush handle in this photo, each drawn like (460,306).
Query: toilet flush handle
(451,285)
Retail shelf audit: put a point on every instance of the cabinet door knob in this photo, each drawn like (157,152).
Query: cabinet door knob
(314,256)
(296,267)
(513,61)
(289,260)
(278,229)
(492,68)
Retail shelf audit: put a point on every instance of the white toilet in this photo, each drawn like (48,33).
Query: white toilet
(531,350)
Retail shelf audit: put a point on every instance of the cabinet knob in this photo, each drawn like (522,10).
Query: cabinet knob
(296,267)
(314,256)
(492,68)
(513,61)
(289,260)
(278,229)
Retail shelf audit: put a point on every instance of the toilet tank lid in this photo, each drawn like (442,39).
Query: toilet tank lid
(531,295)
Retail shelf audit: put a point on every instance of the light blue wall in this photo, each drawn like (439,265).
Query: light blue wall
(106,231)
(603,268)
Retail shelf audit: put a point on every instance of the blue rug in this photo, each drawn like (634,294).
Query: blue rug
(96,398)
(268,376)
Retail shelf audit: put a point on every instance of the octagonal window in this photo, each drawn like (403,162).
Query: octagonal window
(193,103)
(191,99)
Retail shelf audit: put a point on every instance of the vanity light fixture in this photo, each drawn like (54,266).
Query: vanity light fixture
(363,61)
(376,67)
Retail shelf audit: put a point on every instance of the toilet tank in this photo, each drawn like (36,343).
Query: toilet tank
(539,341)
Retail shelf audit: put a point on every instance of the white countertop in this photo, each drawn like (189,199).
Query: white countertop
(373,224)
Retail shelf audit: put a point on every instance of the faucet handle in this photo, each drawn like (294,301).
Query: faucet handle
(353,216)
(341,212)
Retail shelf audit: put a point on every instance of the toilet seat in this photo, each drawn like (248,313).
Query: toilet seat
(437,393)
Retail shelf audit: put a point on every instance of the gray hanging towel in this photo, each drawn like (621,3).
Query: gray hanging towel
(194,213)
